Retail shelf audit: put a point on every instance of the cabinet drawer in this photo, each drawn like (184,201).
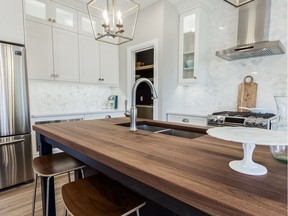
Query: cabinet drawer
(183,119)
(104,115)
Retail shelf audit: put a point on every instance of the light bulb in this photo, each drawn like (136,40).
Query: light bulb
(119,17)
(105,17)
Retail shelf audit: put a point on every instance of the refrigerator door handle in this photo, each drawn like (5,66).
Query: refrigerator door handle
(11,142)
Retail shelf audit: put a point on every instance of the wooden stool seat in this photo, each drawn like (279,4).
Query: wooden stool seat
(55,164)
(50,166)
(99,195)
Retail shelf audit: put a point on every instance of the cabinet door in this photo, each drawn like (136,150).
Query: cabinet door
(89,60)
(65,45)
(63,17)
(187,42)
(51,13)
(38,11)
(11,22)
(39,51)
(192,46)
(109,58)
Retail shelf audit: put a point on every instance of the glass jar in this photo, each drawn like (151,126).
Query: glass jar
(280,152)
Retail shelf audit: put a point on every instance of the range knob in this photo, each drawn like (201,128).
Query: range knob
(249,123)
(221,120)
(215,119)
(263,124)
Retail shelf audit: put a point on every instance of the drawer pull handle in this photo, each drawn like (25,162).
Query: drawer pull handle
(185,120)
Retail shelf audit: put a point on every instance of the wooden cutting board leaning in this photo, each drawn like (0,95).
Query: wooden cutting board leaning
(247,94)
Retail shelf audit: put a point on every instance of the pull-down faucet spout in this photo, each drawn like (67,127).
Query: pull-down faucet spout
(133,109)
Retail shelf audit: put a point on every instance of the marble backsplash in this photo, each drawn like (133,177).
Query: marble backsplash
(64,97)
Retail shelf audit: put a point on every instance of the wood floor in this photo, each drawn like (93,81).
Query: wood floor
(18,201)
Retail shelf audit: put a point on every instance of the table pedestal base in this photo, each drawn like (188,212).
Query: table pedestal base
(247,165)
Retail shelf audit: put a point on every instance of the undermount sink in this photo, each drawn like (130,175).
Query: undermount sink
(167,129)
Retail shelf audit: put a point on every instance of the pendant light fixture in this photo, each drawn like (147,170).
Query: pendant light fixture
(113,21)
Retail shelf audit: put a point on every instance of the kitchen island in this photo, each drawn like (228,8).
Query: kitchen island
(186,176)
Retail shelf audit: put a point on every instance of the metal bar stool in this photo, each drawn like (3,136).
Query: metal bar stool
(53,165)
(99,195)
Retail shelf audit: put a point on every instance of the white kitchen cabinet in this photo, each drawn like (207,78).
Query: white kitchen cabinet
(51,13)
(89,60)
(192,46)
(84,24)
(39,51)
(99,62)
(187,119)
(52,53)
(65,46)
(109,58)
(103,115)
(12,21)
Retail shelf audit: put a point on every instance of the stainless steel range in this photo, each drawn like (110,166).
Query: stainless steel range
(244,119)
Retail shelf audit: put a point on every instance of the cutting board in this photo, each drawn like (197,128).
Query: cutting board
(247,94)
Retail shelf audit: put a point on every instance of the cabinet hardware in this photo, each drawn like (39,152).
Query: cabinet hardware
(56,75)
(194,77)
(52,75)
(54,21)
(102,79)
(49,20)
(185,120)
(99,79)
(107,116)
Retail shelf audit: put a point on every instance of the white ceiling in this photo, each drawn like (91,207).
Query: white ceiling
(143,3)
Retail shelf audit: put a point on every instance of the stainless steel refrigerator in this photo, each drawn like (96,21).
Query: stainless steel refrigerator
(15,132)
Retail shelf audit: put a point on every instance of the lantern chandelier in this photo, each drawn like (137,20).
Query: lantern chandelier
(113,21)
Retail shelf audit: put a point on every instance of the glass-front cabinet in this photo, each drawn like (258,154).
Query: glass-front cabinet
(192,45)
(51,13)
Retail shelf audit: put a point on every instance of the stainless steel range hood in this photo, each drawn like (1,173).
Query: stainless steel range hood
(253,33)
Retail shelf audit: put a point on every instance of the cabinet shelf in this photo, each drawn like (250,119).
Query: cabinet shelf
(188,69)
(189,53)
(146,67)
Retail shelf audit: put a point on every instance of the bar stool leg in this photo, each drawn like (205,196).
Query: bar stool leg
(47,195)
(69,177)
(34,193)
(138,214)
(82,173)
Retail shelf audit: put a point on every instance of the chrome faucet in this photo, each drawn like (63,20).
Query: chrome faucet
(133,110)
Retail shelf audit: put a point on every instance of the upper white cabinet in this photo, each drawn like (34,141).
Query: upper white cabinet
(192,45)
(51,13)
(39,51)
(84,24)
(12,21)
(52,53)
(65,46)
(99,62)
(61,46)
(109,57)
(89,60)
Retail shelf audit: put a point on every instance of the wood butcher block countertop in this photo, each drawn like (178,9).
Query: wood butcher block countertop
(194,171)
